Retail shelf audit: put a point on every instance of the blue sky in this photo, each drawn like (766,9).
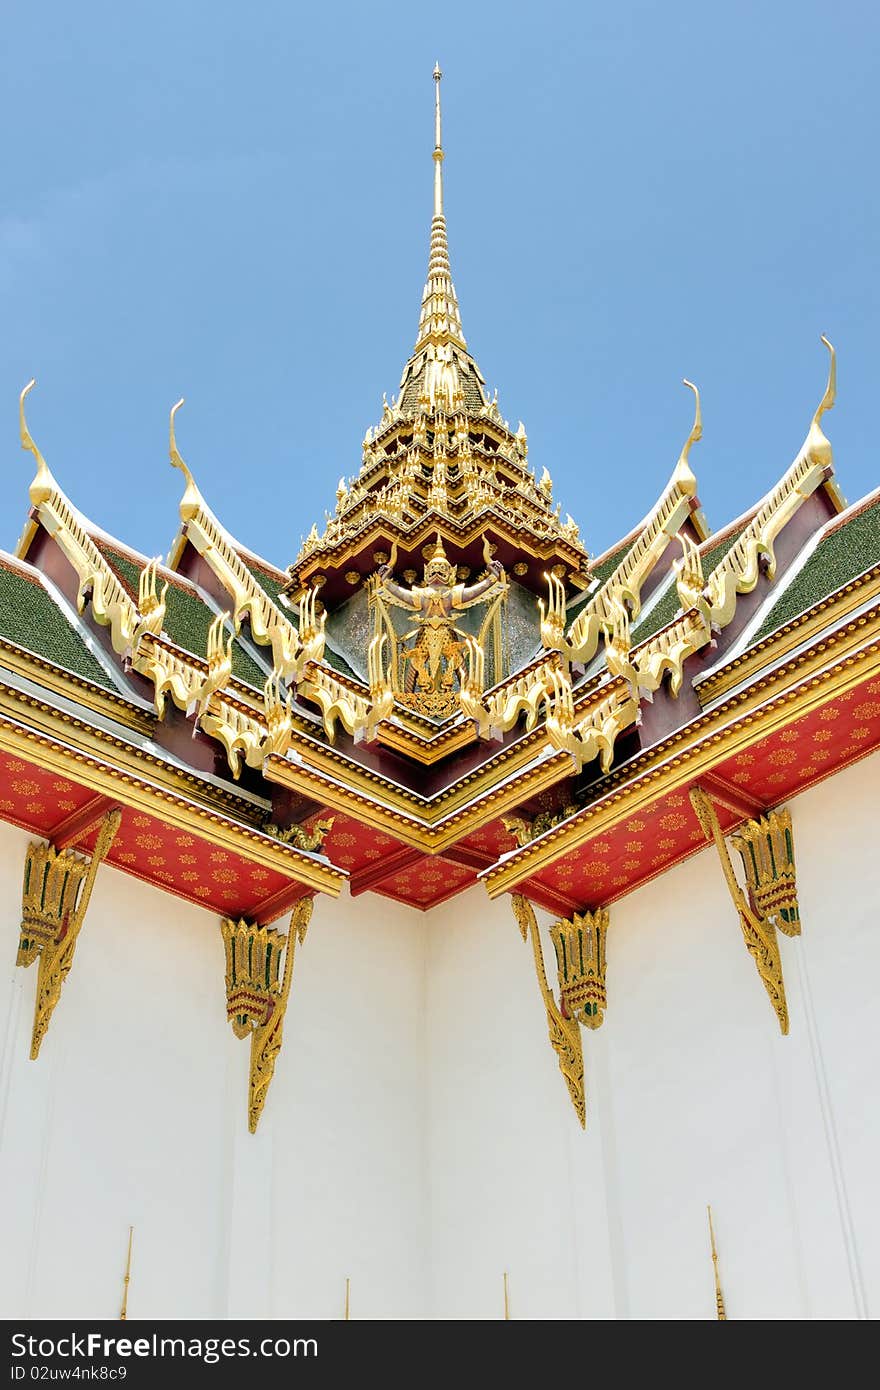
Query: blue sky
(232,203)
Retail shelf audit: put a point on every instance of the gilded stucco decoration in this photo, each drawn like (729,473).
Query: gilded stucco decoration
(428,664)
(579,944)
(766,847)
(565,1037)
(257,992)
(759,933)
(55,897)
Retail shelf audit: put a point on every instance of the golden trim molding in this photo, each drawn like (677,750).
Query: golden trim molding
(180,811)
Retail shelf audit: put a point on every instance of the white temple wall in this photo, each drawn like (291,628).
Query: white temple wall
(693,1096)
(418,1135)
(136,1113)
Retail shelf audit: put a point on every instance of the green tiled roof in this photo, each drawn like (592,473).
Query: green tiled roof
(272,587)
(268,583)
(31,618)
(847,551)
(607,566)
(667,604)
(187,618)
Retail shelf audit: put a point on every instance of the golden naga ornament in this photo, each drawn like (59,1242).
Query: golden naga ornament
(766,847)
(55,897)
(580,958)
(758,932)
(256,1000)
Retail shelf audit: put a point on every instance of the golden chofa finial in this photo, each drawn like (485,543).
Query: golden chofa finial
(683,474)
(817,446)
(191,499)
(41,487)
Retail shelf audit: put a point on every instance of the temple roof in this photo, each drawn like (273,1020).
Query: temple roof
(263,743)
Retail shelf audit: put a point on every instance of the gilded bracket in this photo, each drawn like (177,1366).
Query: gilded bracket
(766,846)
(580,958)
(55,896)
(565,1036)
(256,1000)
(758,932)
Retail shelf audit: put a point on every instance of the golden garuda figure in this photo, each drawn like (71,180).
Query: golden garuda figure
(433,654)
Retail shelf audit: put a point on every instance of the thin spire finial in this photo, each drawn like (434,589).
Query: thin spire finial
(720,1310)
(438,146)
(439,320)
(123,1313)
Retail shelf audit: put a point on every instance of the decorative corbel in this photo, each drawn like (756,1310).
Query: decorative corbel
(151,604)
(57,887)
(311,629)
(690,582)
(618,642)
(758,932)
(279,717)
(580,958)
(565,1037)
(219,657)
(381,693)
(766,846)
(553,615)
(595,735)
(256,1001)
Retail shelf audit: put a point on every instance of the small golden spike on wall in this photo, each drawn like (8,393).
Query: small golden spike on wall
(506,1298)
(347,1300)
(123,1313)
(759,933)
(720,1312)
(52,916)
(565,1037)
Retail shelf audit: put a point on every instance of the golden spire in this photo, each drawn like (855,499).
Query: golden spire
(719,1296)
(438,146)
(440,318)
